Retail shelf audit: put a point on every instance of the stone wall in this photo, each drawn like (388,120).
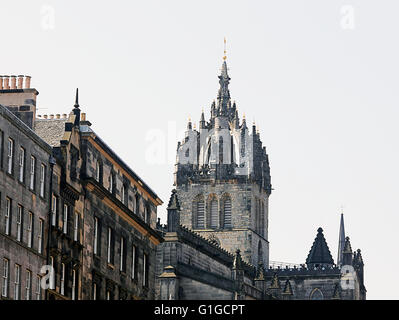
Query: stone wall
(242,235)
(18,252)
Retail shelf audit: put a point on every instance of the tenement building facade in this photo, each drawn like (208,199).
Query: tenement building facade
(76,221)
(216,239)
(24,194)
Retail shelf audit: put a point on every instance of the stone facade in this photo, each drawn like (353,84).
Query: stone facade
(24,202)
(98,215)
(116,198)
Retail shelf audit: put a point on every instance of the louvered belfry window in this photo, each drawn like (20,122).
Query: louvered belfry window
(200,215)
(227,213)
(214,214)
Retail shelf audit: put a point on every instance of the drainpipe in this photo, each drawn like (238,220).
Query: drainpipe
(52,162)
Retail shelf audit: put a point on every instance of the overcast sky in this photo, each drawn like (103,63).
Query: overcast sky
(320,79)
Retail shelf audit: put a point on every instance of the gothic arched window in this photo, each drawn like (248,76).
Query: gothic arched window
(213,213)
(316,295)
(199,212)
(227,221)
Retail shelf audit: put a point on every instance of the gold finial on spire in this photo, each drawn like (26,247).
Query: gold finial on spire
(243,115)
(224,57)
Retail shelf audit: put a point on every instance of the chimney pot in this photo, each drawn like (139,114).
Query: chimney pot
(83,117)
(6,83)
(51,116)
(64,115)
(13,82)
(20,81)
(58,116)
(45,116)
(1,82)
(39,115)
(27,82)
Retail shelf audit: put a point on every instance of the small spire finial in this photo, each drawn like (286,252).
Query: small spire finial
(224,51)
(77,98)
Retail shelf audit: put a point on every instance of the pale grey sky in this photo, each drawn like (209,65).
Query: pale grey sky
(322,89)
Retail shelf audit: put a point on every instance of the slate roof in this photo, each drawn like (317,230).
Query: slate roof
(319,253)
(50,130)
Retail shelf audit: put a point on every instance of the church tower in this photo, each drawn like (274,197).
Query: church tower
(222,179)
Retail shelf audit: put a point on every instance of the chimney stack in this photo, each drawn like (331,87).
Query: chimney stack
(27,82)
(13,82)
(6,82)
(19,100)
(20,81)
(83,117)
(58,116)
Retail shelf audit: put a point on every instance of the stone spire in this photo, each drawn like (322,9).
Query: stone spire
(77,98)
(341,242)
(347,255)
(224,93)
(173,212)
(202,123)
(76,109)
(319,254)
